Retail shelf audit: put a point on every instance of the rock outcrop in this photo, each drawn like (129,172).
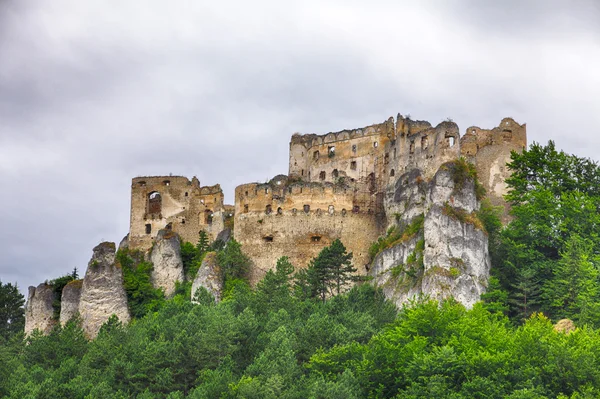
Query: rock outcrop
(69,302)
(166,258)
(449,256)
(209,277)
(102,293)
(39,312)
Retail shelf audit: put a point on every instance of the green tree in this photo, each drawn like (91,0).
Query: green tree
(12,313)
(573,291)
(233,262)
(331,270)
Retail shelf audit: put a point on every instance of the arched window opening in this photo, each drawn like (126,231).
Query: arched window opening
(315,155)
(154,202)
(355,209)
(392,172)
(331,151)
(322,175)
(331,209)
(353,165)
(245,208)
(424,142)
(386,159)
(306,208)
(375,144)
(412,147)
(353,147)
(148,228)
(279,211)
(335,173)
(344,212)
(268,209)
(208,216)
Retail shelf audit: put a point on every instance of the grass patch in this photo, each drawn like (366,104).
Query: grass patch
(463,216)
(395,236)
(464,171)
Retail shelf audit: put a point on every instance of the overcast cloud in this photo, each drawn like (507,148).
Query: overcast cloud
(95,92)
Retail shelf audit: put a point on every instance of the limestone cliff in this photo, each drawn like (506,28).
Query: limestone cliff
(102,293)
(448,256)
(166,258)
(69,302)
(209,277)
(39,313)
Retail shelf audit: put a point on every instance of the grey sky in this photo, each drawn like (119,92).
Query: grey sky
(95,92)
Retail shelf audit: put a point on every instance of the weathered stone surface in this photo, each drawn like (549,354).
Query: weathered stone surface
(69,302)
(224,236)
(453,260)
(166,258)
(38,310)
(209,277)
(102,294)
(124,244)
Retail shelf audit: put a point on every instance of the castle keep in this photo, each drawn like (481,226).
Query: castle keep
(339,185)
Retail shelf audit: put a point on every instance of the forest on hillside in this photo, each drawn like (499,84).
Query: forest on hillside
(303,334)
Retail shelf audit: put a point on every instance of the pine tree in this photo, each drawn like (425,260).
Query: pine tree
(331,270)
(12,319)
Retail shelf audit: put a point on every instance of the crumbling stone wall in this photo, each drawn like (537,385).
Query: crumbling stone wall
(354,154)
(489,151)
(177,203)
(419,145)
(298,219)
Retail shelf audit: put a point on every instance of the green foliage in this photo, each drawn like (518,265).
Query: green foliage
(396,235)
(233,262)
(12,313)
(462,216)
(142,297)
(57,287)
(462,172)
(192,255)
(555,199)
(330,272)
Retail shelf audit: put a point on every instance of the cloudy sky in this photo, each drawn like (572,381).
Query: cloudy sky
(95,92)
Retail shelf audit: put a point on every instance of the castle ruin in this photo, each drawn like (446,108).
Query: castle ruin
(339,185)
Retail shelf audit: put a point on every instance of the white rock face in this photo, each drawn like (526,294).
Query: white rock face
(38,310)
(102,294)
(209,277)
(454,250)
(69,302)
(166,258)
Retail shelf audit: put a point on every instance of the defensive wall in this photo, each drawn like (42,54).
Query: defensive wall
(489,150)
(175,202)
(297,219)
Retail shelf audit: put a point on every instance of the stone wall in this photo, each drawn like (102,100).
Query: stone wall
(299,219)
(160,202)
(355,154)
(489,151)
